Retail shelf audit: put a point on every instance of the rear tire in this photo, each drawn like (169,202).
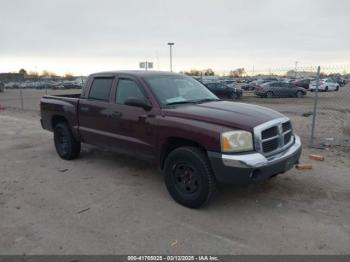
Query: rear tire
(67,147)
(337,88)
(326,89)
(269,94)
(188,177)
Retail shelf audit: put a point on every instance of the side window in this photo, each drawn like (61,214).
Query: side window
(100,89)
(126,89)
(221,85)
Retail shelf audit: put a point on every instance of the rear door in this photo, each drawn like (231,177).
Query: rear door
(94,113)
(132,127)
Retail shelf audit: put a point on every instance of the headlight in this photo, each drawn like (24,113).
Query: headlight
(236,141)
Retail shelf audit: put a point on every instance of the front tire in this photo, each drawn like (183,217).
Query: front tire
(337,88)
(299,94)
(188,177)
(326,89)
(67,147)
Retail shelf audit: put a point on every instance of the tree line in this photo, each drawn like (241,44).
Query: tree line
(239,72)
(44,73)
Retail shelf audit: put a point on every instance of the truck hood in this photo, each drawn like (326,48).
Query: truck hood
(225,113)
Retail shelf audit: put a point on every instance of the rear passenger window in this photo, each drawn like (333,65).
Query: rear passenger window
(127,89)
(100,89)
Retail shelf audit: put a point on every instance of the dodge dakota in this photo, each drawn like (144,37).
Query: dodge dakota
(172,120)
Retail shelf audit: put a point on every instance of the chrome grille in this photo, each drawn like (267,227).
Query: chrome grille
(270,132)
(270,145)
(273,136)
(287,137)
(286,126)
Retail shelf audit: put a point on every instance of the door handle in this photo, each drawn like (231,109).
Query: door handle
(116,114)
(84,109)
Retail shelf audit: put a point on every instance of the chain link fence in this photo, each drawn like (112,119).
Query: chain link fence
(317,101)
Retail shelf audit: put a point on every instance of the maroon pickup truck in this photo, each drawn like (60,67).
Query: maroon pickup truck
(174,121)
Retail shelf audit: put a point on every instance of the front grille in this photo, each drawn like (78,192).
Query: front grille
(287,137)
(270,145)
(270,132)
(286,126)
(273,136)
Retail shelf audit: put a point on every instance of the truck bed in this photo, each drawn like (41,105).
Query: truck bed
(55,106)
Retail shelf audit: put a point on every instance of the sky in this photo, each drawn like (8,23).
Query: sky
(83,37)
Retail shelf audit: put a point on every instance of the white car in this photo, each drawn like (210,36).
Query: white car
(325,85)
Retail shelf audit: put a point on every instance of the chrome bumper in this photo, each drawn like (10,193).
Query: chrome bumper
(257,160)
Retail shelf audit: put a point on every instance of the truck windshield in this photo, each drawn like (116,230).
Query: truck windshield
(171,90)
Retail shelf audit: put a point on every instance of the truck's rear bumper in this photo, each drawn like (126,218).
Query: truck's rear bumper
(245,168)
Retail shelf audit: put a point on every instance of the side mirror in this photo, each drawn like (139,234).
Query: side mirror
(138,103)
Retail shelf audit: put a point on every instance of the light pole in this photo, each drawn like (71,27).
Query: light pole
(171,56)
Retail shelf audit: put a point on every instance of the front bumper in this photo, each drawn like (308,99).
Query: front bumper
(245,168)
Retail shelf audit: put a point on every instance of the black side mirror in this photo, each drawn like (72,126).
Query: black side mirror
(138,103)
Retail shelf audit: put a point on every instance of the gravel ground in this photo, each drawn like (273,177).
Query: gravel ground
(106,203)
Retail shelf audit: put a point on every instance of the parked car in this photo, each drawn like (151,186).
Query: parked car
(302,83)
(230,83)
(279,89)
(341,81)
(325,85)
(172,120)
(71,86)
(252,85)
(224,91)
(2,87)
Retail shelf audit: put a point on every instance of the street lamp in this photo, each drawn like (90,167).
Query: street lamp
(171,56)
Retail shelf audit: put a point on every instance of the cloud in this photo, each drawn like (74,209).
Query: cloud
(219,34)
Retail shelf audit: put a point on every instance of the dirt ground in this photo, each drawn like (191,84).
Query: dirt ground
(106,203)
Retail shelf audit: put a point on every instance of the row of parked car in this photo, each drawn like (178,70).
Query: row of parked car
(273,87)
(43,84)
(306,83)
(296,88)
